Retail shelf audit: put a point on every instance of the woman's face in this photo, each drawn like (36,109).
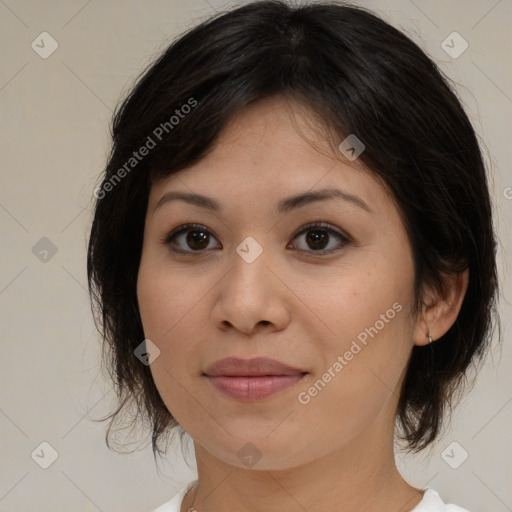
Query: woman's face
(252,281)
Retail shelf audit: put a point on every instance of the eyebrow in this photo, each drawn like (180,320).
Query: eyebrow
(284,206)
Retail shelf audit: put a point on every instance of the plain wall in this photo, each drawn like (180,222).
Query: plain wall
(55,139)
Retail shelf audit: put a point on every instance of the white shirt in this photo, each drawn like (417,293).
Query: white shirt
(431,502)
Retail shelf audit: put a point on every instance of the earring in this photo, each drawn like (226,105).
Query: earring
(430,340)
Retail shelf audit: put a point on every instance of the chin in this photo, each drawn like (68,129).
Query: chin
(264,452)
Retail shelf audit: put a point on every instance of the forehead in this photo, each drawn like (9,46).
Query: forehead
(271,149)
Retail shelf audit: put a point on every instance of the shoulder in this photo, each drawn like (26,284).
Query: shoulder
(432,502)
(174,504)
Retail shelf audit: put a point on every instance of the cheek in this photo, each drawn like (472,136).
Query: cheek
(366,308)
(165,299)
(360,372)
(367,297)
(163,311)
(169,311)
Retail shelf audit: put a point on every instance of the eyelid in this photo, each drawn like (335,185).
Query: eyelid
(321,225)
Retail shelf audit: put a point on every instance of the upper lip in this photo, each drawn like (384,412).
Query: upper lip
(255,367)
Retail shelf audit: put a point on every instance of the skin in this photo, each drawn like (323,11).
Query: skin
(290,304)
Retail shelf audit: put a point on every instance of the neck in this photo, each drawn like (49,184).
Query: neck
(359,476)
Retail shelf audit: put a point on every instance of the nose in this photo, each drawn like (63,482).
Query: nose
(250,297)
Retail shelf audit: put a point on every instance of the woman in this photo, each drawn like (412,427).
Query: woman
(293,257)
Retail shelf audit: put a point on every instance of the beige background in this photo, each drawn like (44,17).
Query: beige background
(55,115)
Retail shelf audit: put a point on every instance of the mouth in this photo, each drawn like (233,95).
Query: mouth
(251,380)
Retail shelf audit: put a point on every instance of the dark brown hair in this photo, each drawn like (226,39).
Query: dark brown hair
(360,76)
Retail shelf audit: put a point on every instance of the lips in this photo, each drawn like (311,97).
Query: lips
(258,366)
(249,380)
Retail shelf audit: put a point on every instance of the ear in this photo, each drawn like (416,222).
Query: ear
(441,308)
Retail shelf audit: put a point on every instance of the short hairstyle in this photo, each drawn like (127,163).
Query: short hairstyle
(360,76)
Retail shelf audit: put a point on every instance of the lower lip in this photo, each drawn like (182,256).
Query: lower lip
(251,389)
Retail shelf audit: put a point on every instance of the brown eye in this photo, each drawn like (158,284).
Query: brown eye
(197,239)
(318,237)
(189,238)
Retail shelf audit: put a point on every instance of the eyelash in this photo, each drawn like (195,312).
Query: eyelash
(345,240)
